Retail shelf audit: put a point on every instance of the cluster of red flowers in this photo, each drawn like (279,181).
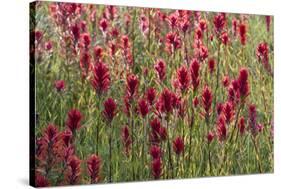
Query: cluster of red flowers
(105,49)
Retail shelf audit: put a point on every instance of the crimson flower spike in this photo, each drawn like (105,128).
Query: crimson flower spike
(73,121)
(178,145)
(150,95)
(73,170)
(194,72)
(160,67)
(243,83)
(156,168)
(132,86)
(101,78)
(242,33)
(143,107)
(207,100)
(94,168)
(126,139)
(183,78)
(109,109)
(155,152)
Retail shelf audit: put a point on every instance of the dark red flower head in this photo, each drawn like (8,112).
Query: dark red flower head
(85,39)
(210,137)
(143,107)
(75,30)
(166,101)
(59,85)
(156,168)
(155,152)
(225,81)
(224,38)
(41,181)
(219,22)
(101,78)
(163,133)
(125,43)
(228,111)
(242,33)
(173,41)
(243,83)
(98,52)
(126,139)
(195,101)
(203,24)
(178,145)
(194,72)
(241,125)
(253,119)
(207,100)
(160,67)
(132,86)
(103,25)
(94,168)
(150,95)
(73,170)
(73,121)
(211,65)
(221,128)
(109,109)
(183,78)
(262,54)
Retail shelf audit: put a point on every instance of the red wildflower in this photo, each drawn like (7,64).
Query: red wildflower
(203,25)
(125,42)
(219,108)
(183,78)
(225,81)
(224,38)
(202,52)
(75,30)
(59,85)
(210,137)
(94,168)
(172,20)
(242,33)
(73,121)
(155,152)
(143,107)
(156,168)
(103,25)
(262,55)
(194,72)
(160,67)
(98,52)
(253,119)
(41,181)
(163,133)
(111,12)
(173,41)
(178,145)
(207,100)
(73,170)
(228,111)
(211,65)
(85,40)
(38,36)
(85,63)
(195,101)
(221,128)
(166,101)
(198,34)
(132,85)
(109,109)
(150,95)
(155,130)
(101,78)
(48,45)
(243,83)
(219,22)
(241,125)
(126,139)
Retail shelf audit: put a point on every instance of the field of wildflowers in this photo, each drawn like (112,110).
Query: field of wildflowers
(134,94)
